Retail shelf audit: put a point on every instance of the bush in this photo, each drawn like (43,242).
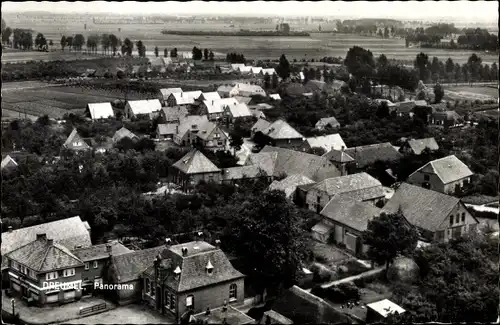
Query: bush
(338,294)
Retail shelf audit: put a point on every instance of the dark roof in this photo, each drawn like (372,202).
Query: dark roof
(366,155)
(447,115)
(241,172)
(448,169)
(98,252)
(122,133)
(349,212)
(418,145)
(73,138)
(194,162)
(338,156)
(130,266)
(193,266)
(232,316)
(43,255)
(303,307)
(174,113)
(360,186)
(421,207)
(165,129)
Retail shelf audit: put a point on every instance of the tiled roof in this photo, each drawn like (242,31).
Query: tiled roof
(188,97)
(289,184)
(69,232)
(217,106)
(332,121)
(448,115)
(186,123)
(8,162)
(281,161)
(193,266)
(448,169)
(170,128)
(243,99)
(210,96)
(250,171)
(165,92)
(43,255)
(421,207)
(281,130)
(260,125)
(275,317)
(350,212)
(418,145)
(123,133)
(232,316)
(327,142)
(366,155)
(240,110)
(338,156)
(194,162)
(207,128)
(362,185)
(275,96)
(174,113)
(100,110)
(75,137)
(129,267)
(145,106)
(406,106)
(97,252)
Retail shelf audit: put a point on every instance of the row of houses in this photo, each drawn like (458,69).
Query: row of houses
(248,69)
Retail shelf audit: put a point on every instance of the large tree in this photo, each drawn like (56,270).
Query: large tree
(450,69)
(157,53)
(360,62)
(438,93)
(283,68)
(6,35)
(128,46)
(389,235)
(474,63)
(114,43)
(78,41)
(40,41)
(422,65)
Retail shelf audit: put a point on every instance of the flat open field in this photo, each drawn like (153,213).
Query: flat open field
(316,46)
(470,93)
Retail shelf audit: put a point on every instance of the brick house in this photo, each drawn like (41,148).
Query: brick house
(193,168)
(188,278)
(44,272)
(437,216)
(446,175)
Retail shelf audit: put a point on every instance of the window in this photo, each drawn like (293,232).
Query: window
(95,264)
(289,141)
(190,302)
(68,272)
(233,291)
(167,299)
(172,301)
(51,276)
(457,219)
(211,178)
(87,265)
(220,143)
(152,292)
(463,217)
(426,177)
(148,286)
(451,220)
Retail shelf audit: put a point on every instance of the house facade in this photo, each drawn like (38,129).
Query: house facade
(417,146)
(167,131)
(446,119)
(193,168)
(188,128)
(282,135)
(211,137)
(75,142)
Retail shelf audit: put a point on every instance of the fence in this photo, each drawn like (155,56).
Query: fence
(92,309)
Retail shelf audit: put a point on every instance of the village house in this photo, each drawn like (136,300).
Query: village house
(343,220)
(446,119)
(214,109)
(75,142)
(166,131)
(275,97)
(247,90)
(282,162)
(237,112)
(98,111)
(326,142)
(208,97)
(142,108)
(417,146)
(186,99)
(340,159)
(222,315)
(289,185)
(359,187)
(224,91)
(165,93)
(44,272)
(124,133)
(244,100)
(446,175)
(173,114)
(390,104)
(269,71)
(378,311)
(193,168)
(8,163)
(281,134)
(188,278)
(407,108)
(256,70)
(95,259)
(235,175)
(259,126)
(369,154)
(188,128)
(245,69)
(327,122)
(211,137)
(437,216)
(236,66)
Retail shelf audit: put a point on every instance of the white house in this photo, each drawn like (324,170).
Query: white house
(100,110)
(135,108)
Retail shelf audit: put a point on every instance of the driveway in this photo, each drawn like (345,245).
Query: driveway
(246,149)
(130,314)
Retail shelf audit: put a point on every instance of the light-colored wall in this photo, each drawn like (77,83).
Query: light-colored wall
(445,226)
(435,182)
(291,143)
(312,199)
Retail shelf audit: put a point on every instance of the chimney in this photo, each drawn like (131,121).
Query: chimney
(184,251)
(41,236)
(217,243)
(50,241)
(177,129)
(108,248)
(168,242)
(10,228)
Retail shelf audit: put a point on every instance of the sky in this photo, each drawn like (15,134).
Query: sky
(470,10)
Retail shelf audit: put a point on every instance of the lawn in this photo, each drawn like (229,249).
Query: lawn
(328,254)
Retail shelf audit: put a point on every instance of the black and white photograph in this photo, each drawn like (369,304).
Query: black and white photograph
(258,162)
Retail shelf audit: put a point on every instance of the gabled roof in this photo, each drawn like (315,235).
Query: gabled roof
(338,156)
(193,273)
(240,110)
(245,69)
(275,96)
(123,133)
(97,252)
(448,115)
(421,207)
(243,99)
(43,255)
(256,70)
(174,113)
(332,121)
(260,125)
(281,130)
(350,212)
(207,128)
(236,66)
(360,186)
(327,142)
(217,105)
(100,110)
(366,155)
(186,123)
(69,232)
(188,97)
(385,307)
(165,129)
(195,162)
(448,169)
(130,266)
(145,106)
(165,92)
(8,162)
(210,96)
(242,172)
(248,89)
(269,71)
(419,145)
(289,184)
(73,138)
(406,106)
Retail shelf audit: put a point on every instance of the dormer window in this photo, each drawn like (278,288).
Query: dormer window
(209,267)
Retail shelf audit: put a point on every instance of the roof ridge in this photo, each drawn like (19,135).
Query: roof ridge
(44,256)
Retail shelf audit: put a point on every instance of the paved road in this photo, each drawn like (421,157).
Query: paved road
(352,278)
